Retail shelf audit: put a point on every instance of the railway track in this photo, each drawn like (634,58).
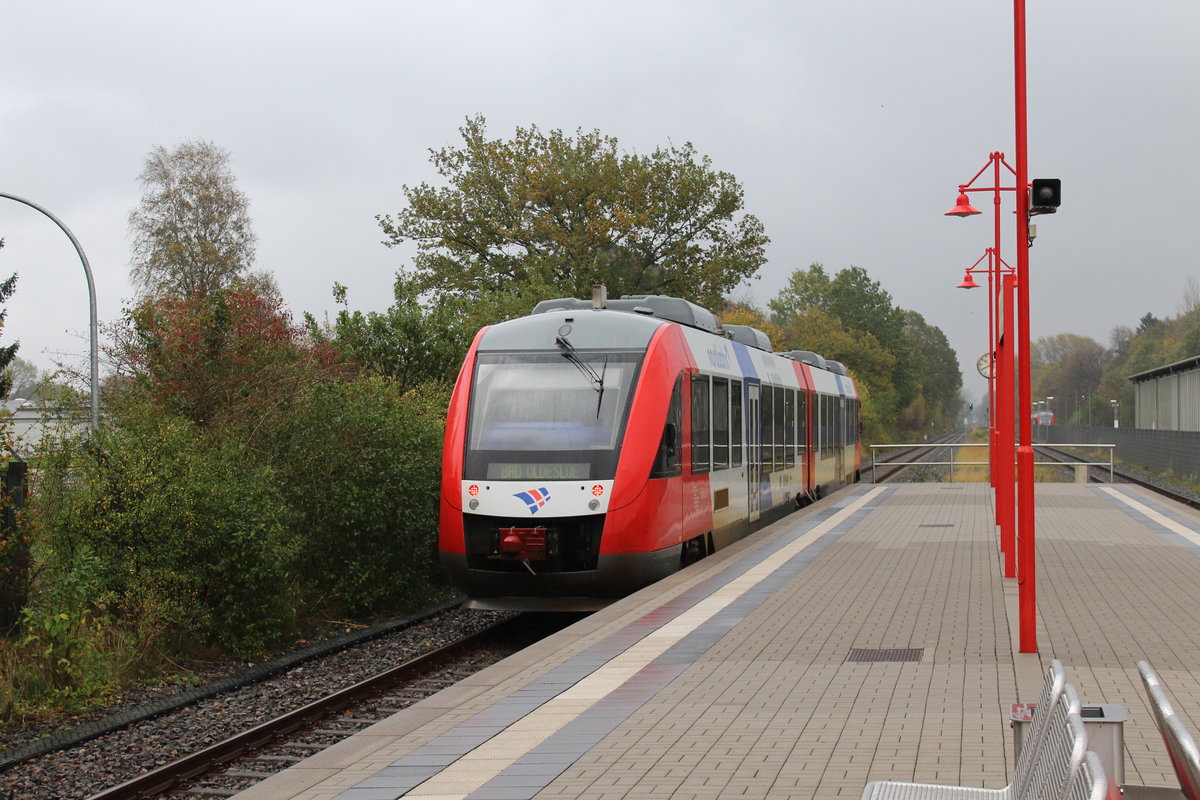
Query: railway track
(255,754)
(1099,473)
(883,470)
(283,718)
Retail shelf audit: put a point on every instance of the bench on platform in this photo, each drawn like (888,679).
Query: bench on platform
(1089,781)
(1181,747)
(1054,762)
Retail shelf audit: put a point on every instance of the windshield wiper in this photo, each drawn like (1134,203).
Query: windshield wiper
(589,372)
(600,387)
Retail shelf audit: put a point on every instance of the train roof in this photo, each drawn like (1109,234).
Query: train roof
(672,309)
(662,307)
(751,337)
(812,359)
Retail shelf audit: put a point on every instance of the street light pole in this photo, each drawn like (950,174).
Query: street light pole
(963,208)
(1007,511)
(1026,575)
(94,326)
(1000,386)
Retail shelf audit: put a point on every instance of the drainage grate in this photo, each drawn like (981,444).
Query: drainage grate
(893,655)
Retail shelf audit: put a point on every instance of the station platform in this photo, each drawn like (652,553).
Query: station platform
(871,636)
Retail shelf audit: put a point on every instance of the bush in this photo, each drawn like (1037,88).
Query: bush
(171,523)
(244,481)
(360,464)
(16,560)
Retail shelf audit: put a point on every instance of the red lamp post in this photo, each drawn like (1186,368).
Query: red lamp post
(963,208)
(1025,496)
(1000,393)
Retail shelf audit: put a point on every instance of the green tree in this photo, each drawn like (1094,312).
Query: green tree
(415,340)
(940,377)
(191,230)
(14,543)
(247,478)
(214,358)
(1070,368)
(805,288)
(8,352)
(859,307)
(558,213)
(869,362)
(1147,322)
(745,314)
(26,378)
(850,295)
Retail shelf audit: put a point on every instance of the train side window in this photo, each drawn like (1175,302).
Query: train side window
(701,424)
(830,421)
(802,422)
(780,426)
(669,460)
(735,423)
(720,427)
(789,427)
(837,422)
(767,419)
(842,437)
(822,425)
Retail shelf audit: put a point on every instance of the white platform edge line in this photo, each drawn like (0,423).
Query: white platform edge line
(1168,523)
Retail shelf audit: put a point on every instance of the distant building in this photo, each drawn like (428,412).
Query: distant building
(1167,398)
(31,421)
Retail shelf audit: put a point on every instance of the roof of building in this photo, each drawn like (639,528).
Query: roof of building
(1186,365)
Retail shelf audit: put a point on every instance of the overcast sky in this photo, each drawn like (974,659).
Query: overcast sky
(849,123)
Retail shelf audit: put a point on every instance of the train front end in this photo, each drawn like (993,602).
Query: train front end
(534,436)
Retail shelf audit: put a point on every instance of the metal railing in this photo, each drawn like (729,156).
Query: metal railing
(952,463)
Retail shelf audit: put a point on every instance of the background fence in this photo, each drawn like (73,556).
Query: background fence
(1174,452)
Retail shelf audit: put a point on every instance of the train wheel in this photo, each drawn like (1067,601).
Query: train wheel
(692,551)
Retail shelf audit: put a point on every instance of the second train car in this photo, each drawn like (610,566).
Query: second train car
(594,447)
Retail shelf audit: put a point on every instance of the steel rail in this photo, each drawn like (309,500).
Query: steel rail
(896,465)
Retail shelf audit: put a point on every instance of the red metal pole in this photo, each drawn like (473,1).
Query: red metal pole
(1025,495)
(994,300)
(991,378)
(1007,511)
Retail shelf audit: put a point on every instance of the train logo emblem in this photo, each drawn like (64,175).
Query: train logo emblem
(534,499)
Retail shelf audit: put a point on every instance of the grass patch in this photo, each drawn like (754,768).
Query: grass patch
(971,474)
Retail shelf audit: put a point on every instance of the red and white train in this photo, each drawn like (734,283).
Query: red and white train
(595,447)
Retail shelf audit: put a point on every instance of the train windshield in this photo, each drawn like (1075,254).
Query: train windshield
(548,416)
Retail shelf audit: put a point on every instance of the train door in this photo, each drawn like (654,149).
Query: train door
(753,448)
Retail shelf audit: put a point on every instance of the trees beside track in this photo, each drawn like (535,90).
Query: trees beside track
(248,480)
(245,478)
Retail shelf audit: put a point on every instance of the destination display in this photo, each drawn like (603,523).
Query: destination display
(538,471)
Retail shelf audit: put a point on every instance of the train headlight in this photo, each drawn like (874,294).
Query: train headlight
(474,504)
(593,504)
